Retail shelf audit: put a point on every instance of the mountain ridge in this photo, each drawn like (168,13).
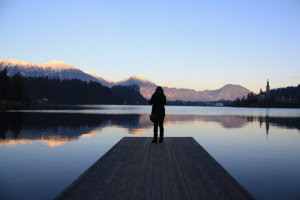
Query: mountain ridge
(62,70)
(52,69)
(138,80)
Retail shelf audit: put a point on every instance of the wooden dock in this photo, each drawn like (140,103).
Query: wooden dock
(135,168)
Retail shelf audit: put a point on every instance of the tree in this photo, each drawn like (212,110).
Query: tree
(17,87)
(4,84)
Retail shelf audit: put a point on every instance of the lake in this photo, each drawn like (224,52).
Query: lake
(43,151)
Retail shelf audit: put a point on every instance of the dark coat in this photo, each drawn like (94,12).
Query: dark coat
(158,101)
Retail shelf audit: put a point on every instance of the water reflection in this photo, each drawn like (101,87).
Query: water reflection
(56,129)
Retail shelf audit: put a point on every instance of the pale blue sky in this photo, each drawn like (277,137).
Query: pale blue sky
(186,44)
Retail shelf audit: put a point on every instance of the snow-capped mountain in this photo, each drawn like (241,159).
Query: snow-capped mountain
(62,70)
(138,80)
(53,69)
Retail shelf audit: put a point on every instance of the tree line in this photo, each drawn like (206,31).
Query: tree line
(34,91)
(11,88)
(279,97)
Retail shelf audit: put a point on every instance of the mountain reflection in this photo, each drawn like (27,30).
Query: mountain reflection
(58,128)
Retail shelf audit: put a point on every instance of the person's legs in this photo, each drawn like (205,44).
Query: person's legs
(161,130)
(155,130)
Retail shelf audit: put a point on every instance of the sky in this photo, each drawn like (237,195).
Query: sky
(185,44)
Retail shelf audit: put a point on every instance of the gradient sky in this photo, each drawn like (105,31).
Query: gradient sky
(185,44)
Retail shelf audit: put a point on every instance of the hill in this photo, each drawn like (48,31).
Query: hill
(279,97)
(228,92)
(32,91)
(63,71)
(53,69)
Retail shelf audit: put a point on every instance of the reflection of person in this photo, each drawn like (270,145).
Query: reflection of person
(158,101)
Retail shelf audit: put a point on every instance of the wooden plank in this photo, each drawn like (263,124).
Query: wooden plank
(100,170)
(145,167)
(196,188)
(135,168)
(147,185)
(181,183)
(217,179)
(124,181)
(135,175)
(166,186)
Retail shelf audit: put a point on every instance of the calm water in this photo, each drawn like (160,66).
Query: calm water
(41,152)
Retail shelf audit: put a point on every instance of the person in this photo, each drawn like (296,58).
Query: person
(158,102)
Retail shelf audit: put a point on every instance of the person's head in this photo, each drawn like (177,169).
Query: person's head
(159,89)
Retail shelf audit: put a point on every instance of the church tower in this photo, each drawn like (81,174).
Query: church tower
(268,90)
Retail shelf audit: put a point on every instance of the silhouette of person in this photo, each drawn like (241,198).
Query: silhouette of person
(158,102)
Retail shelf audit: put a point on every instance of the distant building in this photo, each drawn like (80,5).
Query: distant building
(280,97)
(264,95)
(268,90)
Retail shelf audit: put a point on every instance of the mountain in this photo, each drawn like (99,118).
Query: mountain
(53,69)
(137,80)
(228,92)
(62,70)
(147,87)
(103,81)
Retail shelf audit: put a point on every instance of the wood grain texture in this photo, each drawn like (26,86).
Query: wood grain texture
(135,168)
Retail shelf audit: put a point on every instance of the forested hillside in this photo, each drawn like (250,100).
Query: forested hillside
(44,91)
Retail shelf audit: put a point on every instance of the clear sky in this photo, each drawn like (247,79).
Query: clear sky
(185,44)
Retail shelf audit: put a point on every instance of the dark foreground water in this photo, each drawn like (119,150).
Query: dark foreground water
(41,152)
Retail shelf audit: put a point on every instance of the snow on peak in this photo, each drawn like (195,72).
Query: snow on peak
(139,78)
(13,62)
(54,64)
(57,65)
